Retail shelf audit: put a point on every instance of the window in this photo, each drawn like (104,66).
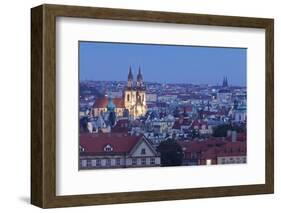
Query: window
(128,97)
(143,161)
(98,162)
(152,161)
(81,149)
(118,161)
(108,162)
(134,161)
(84,163)
(223,160)
(208,162)
(89,163)
(108,148)
(193,155)
(143,151)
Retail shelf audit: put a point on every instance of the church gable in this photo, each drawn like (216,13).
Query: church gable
(143,149)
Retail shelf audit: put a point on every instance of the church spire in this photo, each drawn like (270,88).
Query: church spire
(130,77)
(139,78)
(225,82)
(130,74)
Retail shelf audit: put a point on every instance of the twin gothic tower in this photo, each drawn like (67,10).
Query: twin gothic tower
(135,95)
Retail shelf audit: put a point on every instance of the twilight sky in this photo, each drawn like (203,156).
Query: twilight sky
(162,63)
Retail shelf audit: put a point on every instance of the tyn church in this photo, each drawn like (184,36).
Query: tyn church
(135,95)
(133,100)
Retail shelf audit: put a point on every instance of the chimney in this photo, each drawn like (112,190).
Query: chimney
(233,136)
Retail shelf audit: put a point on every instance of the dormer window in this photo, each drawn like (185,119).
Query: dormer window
(108,148)
(81,149)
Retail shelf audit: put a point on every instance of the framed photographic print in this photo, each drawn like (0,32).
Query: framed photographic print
(136,106)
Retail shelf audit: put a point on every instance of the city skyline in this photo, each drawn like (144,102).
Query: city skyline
(142,106)
(204,65)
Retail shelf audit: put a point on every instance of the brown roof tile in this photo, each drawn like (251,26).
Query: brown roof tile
(94,143)
(102,102)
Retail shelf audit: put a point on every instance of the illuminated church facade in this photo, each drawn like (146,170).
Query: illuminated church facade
(132,103)
(135,95)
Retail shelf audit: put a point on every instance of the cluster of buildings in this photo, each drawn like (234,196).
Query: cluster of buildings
(123,122)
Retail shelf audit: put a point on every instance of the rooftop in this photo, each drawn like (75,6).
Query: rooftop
(103,102)
(94,144)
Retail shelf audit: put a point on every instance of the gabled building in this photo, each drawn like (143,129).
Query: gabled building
(116,150)
(228,150)
(229,153)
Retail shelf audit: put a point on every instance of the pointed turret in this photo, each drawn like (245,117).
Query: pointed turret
(139,78)
(130,77)
(130,74)
(225,82)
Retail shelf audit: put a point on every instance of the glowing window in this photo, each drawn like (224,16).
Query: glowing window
(208,162)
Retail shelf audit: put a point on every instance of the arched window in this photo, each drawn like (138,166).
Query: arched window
(128,97)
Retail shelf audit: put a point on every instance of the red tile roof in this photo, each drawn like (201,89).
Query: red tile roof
(94,143)
(102,102)
(201,146)
(119,102)
(213,148)
(181,122)
(228,149)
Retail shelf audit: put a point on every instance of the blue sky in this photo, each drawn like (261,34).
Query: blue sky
(162,63)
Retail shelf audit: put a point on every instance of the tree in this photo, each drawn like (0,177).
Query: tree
(112,118)
(83,124)
(171,153)
(221,130)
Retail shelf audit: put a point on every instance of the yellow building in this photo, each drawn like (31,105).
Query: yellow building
(135,95)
